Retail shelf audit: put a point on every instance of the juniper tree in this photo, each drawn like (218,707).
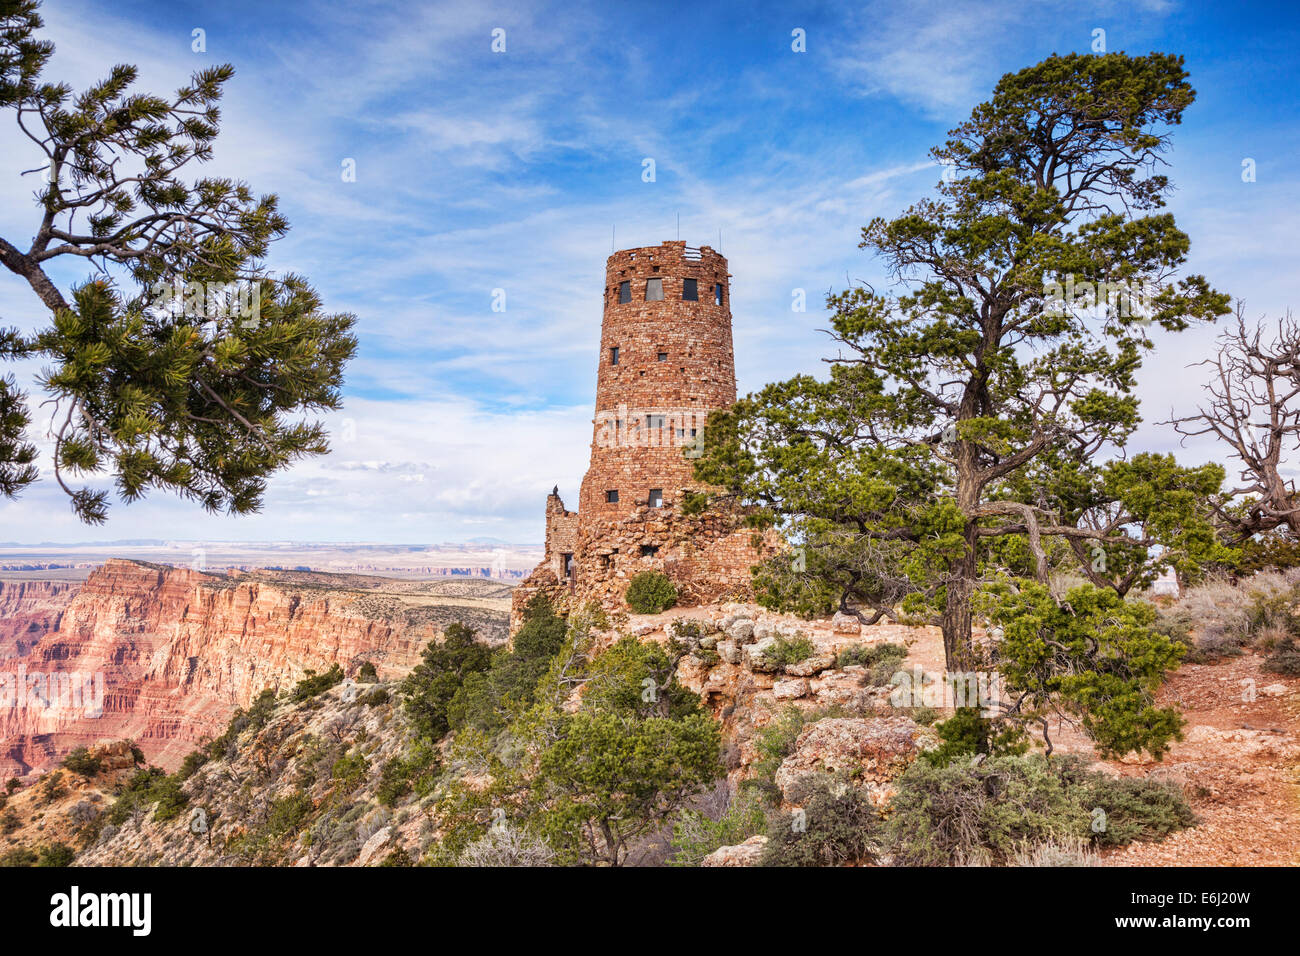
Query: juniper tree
(972,410)
(181,363)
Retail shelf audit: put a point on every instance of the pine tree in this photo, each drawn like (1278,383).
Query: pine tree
(181,364)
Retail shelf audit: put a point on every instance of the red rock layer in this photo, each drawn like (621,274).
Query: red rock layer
(177,651)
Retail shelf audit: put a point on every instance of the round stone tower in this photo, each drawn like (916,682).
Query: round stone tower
(666,361)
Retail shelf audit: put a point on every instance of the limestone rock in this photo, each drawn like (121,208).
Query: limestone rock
(729,651)
(741,630)
(872,752)
(370,851)
(811,665)
(748,853)
(845,624)
(790,689)
(757,655)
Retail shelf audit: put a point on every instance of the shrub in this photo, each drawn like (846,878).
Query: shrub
(349,770)
(56,854)
(287,815)
(314,684)
(80,761)
(968,732)
(376,697)
(400,775)
(19,856)
(881,660)
(1065,853)
(998,810)
(13,784)
(172,800)
(979,814)
(507,846)
(788,650)
(837,826)
(1136,809)
(1285,658)
(651,592)
(367,673)
(695,835)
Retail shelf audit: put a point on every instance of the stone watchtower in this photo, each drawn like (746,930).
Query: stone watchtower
(665,362)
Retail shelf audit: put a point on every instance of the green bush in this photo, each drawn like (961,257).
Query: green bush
(349,770)
(696,835)
(882,661)
(1285,658)
(651,592)
(990,811)
(56,854)
(1137,810)
(838,826)
(314,684)
(19,856)
(417,771)
(287,815)
(80,761)
(367,673)
(788,650)
(968,732)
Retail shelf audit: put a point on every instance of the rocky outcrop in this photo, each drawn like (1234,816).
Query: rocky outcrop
(867,752)
(31,609)
(164,655)
(749,853)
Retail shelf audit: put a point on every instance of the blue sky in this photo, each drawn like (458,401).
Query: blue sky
(478,171)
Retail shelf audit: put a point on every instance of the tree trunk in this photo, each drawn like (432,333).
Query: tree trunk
(956,621)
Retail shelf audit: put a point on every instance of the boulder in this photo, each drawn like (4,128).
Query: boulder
(870,752)
(729,651)
(757,655)
(811,666)
(748,853)
(370,851)
(846,624)
(790,689)
(741,630)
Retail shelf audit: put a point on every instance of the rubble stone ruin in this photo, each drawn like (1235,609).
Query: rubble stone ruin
(665,362)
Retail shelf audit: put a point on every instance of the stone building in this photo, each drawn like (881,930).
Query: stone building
(665,362)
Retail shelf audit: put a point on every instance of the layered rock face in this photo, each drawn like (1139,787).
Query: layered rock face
(30,610)
(164,655)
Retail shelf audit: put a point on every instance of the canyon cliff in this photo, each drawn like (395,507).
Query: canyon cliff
(164,655)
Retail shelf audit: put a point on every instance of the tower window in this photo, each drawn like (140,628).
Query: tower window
(656,497)
(717,294)
(654,290)
(656,422)
(649,550)
(611,496)
(568,564)
(663,356)
(613,355)
(625,292)
(690,290)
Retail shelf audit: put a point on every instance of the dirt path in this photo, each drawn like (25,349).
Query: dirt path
(1239,764)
